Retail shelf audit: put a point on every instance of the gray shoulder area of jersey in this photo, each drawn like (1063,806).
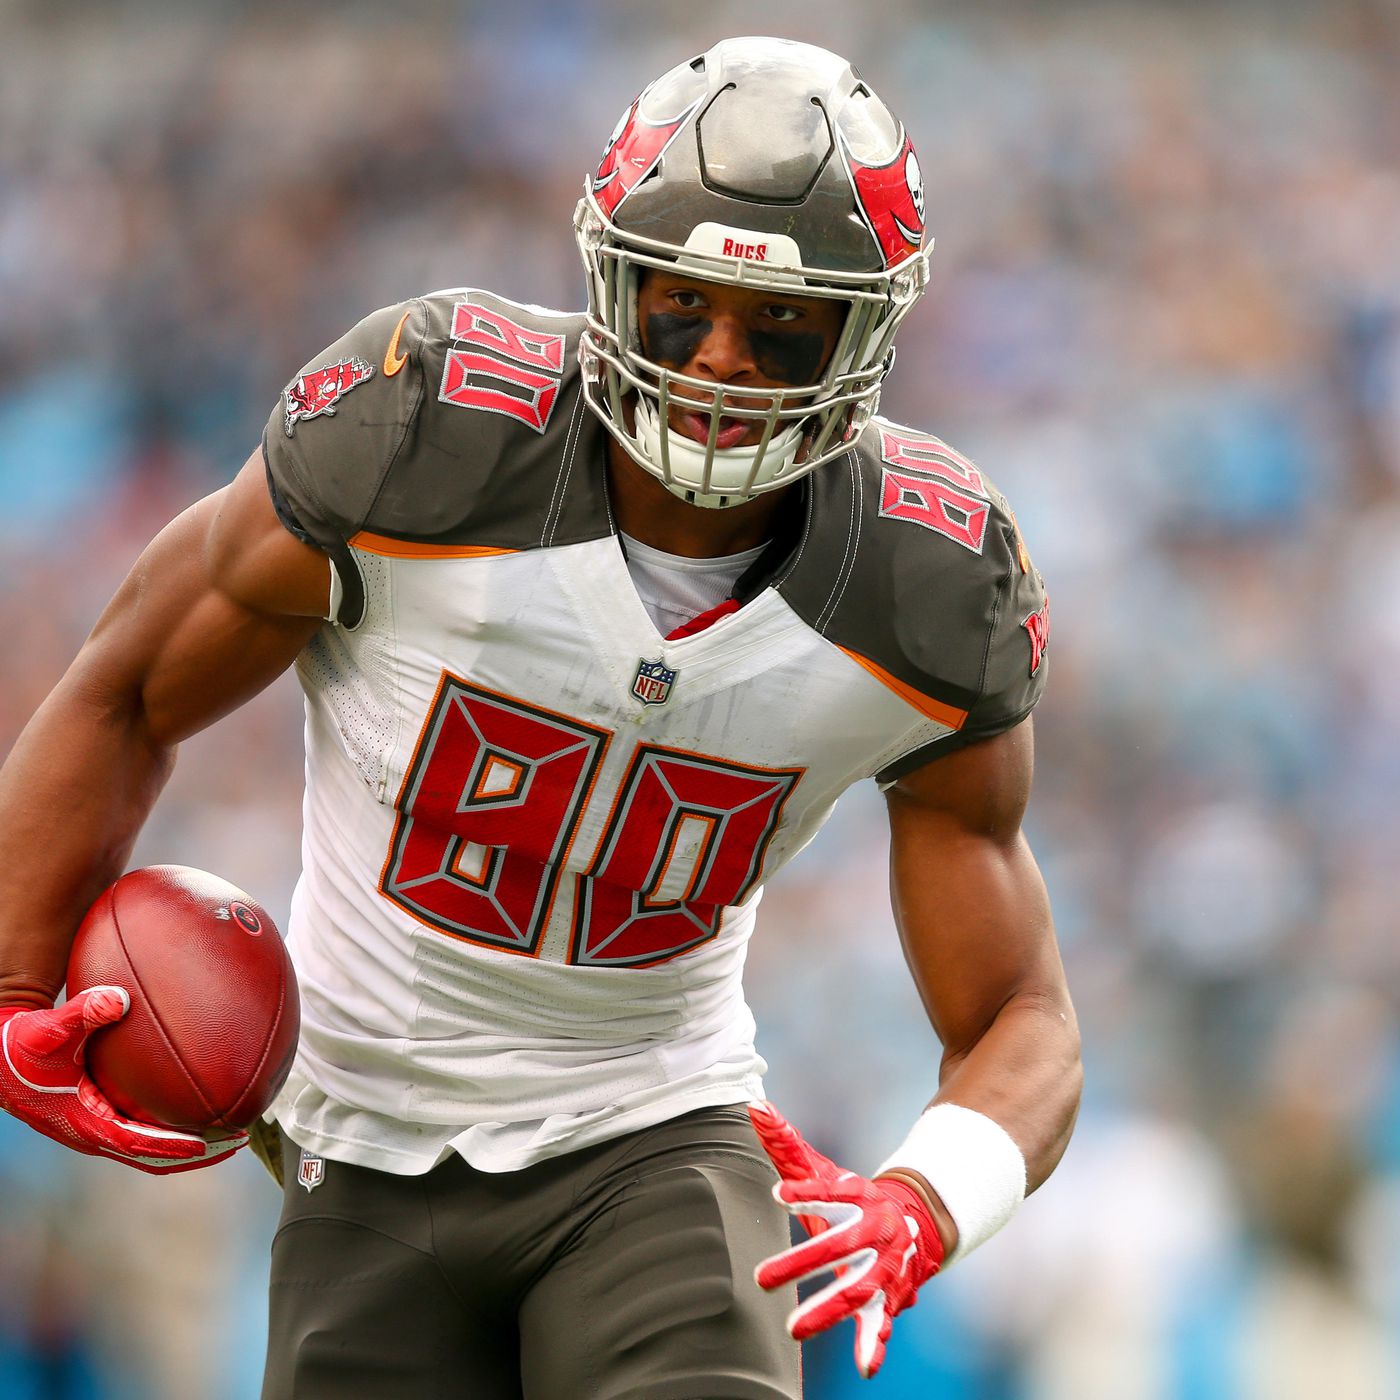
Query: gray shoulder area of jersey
(455,422)
(913,564)
(454,419)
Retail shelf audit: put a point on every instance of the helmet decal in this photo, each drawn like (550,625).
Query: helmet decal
(891,197)
(632,152)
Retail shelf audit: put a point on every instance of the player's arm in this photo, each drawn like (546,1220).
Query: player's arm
(215,608)
(975,923)
(974,919)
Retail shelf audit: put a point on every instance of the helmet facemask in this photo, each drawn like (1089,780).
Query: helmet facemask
(805,425)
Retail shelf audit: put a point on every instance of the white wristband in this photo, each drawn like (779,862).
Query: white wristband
(973,1165)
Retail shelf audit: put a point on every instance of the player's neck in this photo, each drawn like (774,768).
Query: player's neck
(644,509)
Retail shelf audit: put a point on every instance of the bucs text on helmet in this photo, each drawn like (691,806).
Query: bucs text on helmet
(767,164)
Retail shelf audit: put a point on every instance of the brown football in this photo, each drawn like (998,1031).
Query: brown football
(214,1010)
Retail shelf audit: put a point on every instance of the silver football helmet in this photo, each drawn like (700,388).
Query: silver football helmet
(767,164)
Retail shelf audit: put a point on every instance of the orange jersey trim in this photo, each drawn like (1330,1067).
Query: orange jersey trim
(950,715)
(412,549)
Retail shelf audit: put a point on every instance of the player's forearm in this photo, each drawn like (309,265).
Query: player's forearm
(1025,1074)
(74,792)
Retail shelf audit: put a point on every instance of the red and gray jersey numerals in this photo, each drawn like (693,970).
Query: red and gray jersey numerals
(495,797)
(687,837)
(487,814)
(499,366)
(934,592)
(925,481)
(404,461)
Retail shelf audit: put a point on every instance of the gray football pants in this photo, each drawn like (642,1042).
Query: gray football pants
(621,1272)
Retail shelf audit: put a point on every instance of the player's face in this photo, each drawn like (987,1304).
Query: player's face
(733,335)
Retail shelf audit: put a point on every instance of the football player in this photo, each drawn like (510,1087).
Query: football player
(596,617)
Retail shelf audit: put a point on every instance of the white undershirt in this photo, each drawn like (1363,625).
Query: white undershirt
(674,589)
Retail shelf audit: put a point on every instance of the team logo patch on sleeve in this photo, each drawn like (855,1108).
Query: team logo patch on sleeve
(318,391)
(1037,625)
(652,683)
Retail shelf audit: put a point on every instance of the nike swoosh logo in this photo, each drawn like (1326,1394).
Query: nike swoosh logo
(393,361)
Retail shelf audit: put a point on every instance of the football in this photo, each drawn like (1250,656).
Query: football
(214,1013)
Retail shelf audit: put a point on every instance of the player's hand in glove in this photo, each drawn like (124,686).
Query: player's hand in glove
(877,1236)
(44,1082)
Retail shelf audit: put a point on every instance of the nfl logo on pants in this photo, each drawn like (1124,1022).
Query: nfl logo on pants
(312,1171)
(652,683)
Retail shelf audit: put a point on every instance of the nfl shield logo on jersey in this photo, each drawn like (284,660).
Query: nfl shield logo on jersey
(312,1171)
(652,683)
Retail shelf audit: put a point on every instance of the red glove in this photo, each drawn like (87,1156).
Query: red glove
(44,1082)
(877,1236)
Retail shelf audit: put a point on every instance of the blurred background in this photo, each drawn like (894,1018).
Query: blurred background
(1165,318)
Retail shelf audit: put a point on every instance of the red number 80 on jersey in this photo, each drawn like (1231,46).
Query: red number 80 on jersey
(495,796)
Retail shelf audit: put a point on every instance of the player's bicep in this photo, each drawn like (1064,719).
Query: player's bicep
(254,559)
(217,606)
(969,899)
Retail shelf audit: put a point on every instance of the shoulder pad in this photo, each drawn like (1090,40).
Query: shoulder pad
(342,420)
(914,565)
(449,420)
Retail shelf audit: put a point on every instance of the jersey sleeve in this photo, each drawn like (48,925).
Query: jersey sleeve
(341,422)
(1016,669)
(913,565)
(1014,663)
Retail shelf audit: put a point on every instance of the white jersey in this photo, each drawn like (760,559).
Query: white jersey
(535,829)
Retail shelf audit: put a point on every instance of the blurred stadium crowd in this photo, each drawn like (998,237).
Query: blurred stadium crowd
(1165,318)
